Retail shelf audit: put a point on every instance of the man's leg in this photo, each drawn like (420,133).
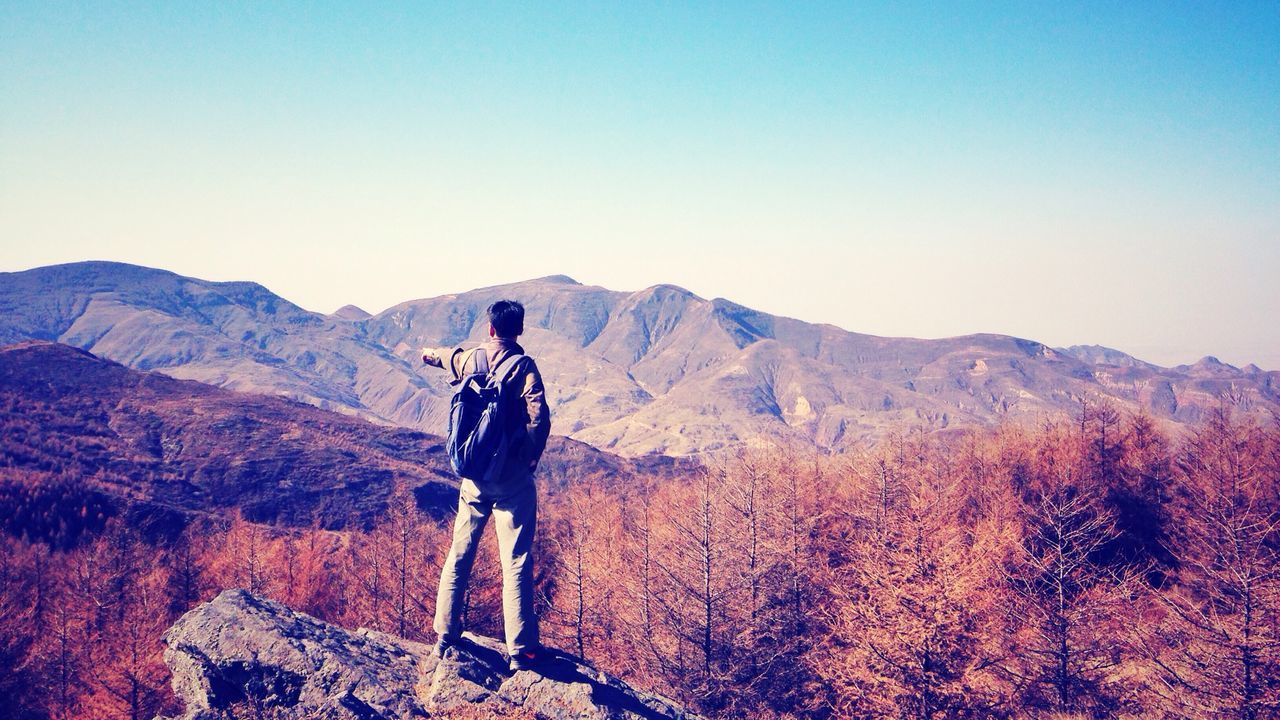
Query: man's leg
(516,518)
(456,571)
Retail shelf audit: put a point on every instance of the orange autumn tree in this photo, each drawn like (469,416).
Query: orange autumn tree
(1093,567)
(1220,636)
(582,541)
(1070,610)
(912,612)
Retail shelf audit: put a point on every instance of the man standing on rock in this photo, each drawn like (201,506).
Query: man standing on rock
(508,493)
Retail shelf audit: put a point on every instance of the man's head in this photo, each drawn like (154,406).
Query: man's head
(506,319)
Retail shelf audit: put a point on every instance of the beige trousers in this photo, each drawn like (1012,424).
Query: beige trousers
(514,507)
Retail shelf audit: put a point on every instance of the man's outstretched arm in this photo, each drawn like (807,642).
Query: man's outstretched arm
(445,358)
(435,356)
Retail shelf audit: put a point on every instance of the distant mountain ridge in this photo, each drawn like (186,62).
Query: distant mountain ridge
(659,370)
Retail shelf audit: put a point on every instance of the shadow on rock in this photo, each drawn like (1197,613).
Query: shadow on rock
(605,691)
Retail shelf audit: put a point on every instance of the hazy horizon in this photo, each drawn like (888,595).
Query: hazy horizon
(1072,175)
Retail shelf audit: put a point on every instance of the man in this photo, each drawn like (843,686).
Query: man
(512,499)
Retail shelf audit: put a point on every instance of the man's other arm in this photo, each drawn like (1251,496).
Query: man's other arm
(539,415)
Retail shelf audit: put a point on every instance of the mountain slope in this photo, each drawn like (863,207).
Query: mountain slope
(158,449)
(657,370)
(84,439)
(664,370)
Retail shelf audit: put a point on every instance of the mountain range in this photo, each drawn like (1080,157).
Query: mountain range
(659,370)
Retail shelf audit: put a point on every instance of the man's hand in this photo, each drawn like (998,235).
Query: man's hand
(431,356)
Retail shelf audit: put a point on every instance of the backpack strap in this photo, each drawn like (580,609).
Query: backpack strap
(479,362)
(506,369)
(474,362)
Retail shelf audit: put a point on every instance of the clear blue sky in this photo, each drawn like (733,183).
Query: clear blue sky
(1073,173)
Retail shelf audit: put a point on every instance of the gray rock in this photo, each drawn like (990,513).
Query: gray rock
(241,650)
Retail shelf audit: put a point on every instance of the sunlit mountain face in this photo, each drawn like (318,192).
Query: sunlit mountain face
(659,370)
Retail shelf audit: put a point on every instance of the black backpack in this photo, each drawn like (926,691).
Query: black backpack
(484,417)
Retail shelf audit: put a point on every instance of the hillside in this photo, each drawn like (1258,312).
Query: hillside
(659,370)
(86,439)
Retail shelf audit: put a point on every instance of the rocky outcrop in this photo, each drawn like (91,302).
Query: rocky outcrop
(243,653)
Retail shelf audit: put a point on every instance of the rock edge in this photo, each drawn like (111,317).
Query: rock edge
(240,650)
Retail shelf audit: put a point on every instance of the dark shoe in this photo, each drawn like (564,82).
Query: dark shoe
(444,643)
(527,660)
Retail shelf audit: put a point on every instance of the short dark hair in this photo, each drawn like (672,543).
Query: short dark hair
(507,318)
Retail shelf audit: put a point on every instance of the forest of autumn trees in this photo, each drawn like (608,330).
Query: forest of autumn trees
(1093,567)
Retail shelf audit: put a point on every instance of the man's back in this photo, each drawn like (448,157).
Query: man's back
(536,419)
(511,500)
